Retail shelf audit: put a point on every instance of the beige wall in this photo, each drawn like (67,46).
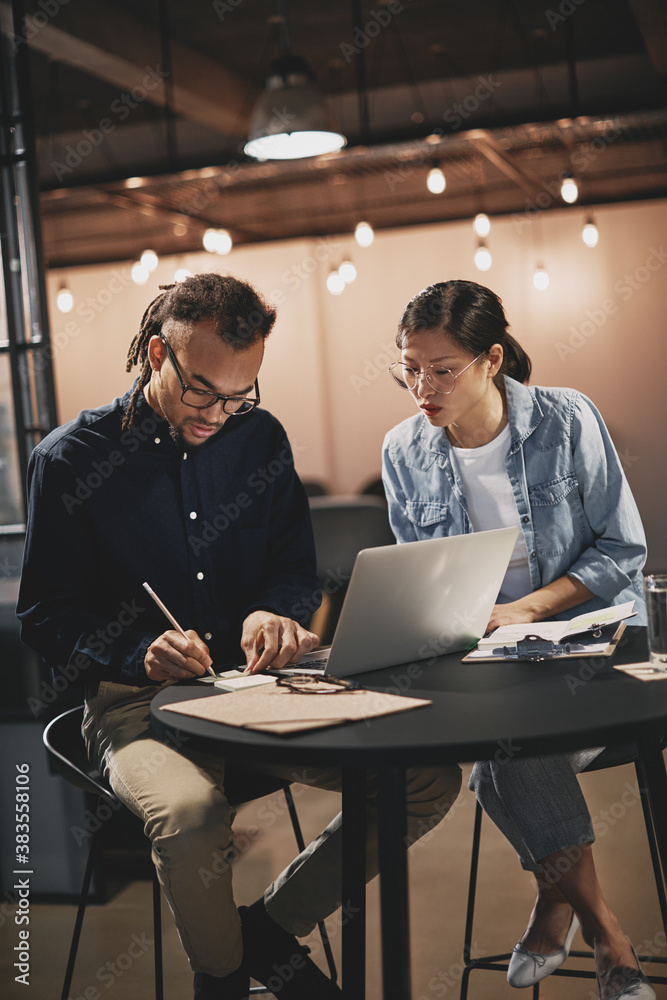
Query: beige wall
(600,327)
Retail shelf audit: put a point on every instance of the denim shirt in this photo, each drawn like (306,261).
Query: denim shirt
(576,510)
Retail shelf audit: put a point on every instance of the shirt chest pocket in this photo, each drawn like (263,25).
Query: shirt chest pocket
(558,515)
(431,518)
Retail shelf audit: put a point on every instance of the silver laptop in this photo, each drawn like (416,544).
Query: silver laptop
(414,601)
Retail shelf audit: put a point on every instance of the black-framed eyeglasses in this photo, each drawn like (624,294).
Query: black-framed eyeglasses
(200,399)
(439,378)
(306,684)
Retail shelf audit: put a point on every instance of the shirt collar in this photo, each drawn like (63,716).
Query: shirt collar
(524,414)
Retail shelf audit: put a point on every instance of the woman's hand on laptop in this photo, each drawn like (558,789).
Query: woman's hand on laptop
(269,640)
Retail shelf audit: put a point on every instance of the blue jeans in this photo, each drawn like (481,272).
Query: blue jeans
(536,802)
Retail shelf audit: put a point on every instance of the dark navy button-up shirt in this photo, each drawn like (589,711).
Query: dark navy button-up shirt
(217,532)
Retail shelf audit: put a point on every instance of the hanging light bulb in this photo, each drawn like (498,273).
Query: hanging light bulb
(569,191)
(590,234)
(217,241)
(64,299)
(149,260)
(210,240)
(483,259)
(140,274)
(482,225)
(335,282)
(435,181)
(224,242)
(364,234)
(347,271)
(540,278)
(182,274)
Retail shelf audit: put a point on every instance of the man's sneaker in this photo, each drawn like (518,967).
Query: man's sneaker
(275,959)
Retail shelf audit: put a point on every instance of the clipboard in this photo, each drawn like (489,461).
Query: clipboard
(535,649)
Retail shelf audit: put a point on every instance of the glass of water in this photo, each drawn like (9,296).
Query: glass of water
(655,590)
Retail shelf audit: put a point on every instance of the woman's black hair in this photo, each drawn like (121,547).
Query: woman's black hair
(240,313)
(474,318)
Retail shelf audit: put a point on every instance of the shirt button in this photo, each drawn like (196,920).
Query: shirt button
(200,576)
(193,514)
(533,554)
(185,455)
(157,440)
(525,519)
(208,635)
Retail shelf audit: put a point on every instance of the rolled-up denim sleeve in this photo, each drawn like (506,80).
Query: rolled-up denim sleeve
(616,558)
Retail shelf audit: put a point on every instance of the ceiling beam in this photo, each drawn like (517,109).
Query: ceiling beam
(195,78)
(485,143)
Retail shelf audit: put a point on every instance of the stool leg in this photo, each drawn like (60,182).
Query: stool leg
(300,843)
(653,847)
(78,923)
(470,911)
(157,935)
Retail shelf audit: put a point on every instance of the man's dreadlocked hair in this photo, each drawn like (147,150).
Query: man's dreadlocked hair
(240,313)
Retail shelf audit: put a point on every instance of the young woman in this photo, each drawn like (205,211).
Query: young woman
(487,451)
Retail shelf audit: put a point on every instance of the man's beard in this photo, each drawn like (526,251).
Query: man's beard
(177,436)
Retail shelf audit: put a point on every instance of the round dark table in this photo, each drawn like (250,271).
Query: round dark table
(479,711)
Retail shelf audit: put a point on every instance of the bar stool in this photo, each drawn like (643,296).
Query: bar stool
(67,753)
(610,757)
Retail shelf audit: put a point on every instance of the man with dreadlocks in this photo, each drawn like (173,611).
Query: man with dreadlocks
(186,483)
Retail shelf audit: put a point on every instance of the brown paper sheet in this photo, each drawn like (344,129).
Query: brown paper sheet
(643,671)
(279,710)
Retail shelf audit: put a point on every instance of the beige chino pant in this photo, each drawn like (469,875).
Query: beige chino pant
(178,793)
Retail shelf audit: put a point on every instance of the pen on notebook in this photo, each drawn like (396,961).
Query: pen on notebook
(171,618)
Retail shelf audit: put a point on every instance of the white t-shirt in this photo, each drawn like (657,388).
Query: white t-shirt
(491,504)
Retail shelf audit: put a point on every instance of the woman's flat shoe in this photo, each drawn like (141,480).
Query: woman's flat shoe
(528,967)
(632,982)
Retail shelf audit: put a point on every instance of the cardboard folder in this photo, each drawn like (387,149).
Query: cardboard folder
(279,710)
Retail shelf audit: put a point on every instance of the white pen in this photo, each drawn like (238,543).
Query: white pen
(171,618)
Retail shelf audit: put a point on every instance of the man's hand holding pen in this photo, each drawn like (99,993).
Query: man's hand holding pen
(176,656)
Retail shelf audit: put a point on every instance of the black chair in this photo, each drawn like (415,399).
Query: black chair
(314,487)
(374,487)
(342,525)
(610,757)
(67,755)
